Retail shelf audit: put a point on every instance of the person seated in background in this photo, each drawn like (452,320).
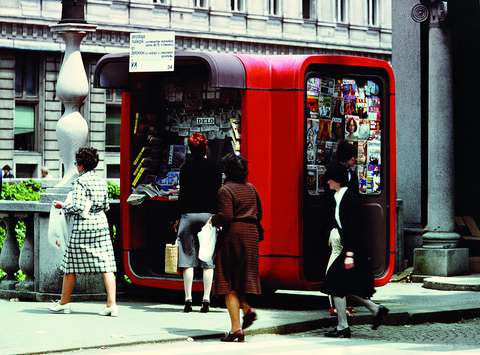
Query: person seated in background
(44,172)
(7,172)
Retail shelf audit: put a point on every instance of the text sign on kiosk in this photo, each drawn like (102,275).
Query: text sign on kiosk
(152,51)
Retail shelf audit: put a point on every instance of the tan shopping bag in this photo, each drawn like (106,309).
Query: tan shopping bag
(171,258)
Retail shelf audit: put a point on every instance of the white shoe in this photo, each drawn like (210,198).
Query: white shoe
(60,308)
(110,311)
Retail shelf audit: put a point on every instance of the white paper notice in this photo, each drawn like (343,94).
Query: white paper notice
(152,51)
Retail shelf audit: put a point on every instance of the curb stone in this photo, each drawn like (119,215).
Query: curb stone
(393,319)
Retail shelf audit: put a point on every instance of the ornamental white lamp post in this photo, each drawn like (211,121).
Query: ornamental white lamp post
(72,86)
(72,133)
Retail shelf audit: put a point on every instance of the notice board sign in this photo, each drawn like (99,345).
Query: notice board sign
(152,51)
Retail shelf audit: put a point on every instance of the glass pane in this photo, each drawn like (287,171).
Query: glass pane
(18,77)
(31,78)
(113,171)
(343,108)
(112,139)
(24,119)
(25,170)
(374,14)
(24,127)
(118,95)
(306,9)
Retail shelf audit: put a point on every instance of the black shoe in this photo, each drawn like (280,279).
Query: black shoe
(188,306)
(335,333)
(205,306)
(239,336)
(379,317)
(248,319)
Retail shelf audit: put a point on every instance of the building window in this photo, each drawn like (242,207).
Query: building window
(202,4)
(307,9)
(162,2)
(237,5)
(342,13)
(26,102)
(25,170)
(372,10)
(274,7)
(112,120)
(113,171)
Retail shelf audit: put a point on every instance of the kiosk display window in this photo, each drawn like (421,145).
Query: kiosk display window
(348,108)
(164,119)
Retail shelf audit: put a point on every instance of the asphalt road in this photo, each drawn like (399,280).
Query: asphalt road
(446,338)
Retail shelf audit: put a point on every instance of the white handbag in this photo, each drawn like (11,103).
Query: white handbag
(207,239)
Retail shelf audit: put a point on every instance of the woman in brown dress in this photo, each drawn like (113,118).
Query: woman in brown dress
(236,273)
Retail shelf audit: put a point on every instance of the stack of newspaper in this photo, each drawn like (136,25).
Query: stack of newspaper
(150,190)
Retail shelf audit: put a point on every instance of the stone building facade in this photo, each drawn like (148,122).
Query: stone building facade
(30,56)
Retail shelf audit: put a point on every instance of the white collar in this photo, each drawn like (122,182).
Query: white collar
(339,194)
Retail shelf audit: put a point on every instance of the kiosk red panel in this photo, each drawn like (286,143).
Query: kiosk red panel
(276,113)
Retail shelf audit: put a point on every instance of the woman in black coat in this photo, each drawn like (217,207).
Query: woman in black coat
(348,272)
(200,180)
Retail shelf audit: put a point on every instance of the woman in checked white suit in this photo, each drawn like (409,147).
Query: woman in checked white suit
(89,249)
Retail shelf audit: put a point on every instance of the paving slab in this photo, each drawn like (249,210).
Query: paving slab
(27,327)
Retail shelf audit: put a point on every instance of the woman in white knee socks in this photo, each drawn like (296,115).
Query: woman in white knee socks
(200,180)
(348,270)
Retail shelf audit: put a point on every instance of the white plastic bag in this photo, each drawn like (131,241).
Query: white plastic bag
(207,239)
(58,228)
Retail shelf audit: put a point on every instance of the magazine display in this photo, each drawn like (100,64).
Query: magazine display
(343,108)
(160,132)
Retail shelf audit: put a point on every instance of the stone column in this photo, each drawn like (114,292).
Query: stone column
(26,259)
(439,255)
(9,254)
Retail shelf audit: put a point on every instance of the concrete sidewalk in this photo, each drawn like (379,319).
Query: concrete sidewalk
(27,327)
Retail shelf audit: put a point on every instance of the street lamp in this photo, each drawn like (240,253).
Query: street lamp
(73,11)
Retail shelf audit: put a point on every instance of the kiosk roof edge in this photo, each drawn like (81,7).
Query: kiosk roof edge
(225,70)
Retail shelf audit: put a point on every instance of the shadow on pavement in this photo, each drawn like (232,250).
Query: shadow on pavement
(278,300)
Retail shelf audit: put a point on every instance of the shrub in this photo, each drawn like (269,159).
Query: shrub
(28,190)
(113,190)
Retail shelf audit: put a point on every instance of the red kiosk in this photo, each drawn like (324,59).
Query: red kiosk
(285,115)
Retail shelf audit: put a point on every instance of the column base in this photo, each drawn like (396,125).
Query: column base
(440,240)
(441,262)
(26,285)
(8,284)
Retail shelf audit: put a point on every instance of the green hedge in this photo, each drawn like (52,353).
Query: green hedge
(113,190)
(28,190)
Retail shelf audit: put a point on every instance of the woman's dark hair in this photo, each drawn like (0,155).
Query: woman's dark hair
(87,157)
(235,168)
(337,173)
(197,144)
(354,122)
(345,151)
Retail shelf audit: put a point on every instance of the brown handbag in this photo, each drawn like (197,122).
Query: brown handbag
(171,258)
